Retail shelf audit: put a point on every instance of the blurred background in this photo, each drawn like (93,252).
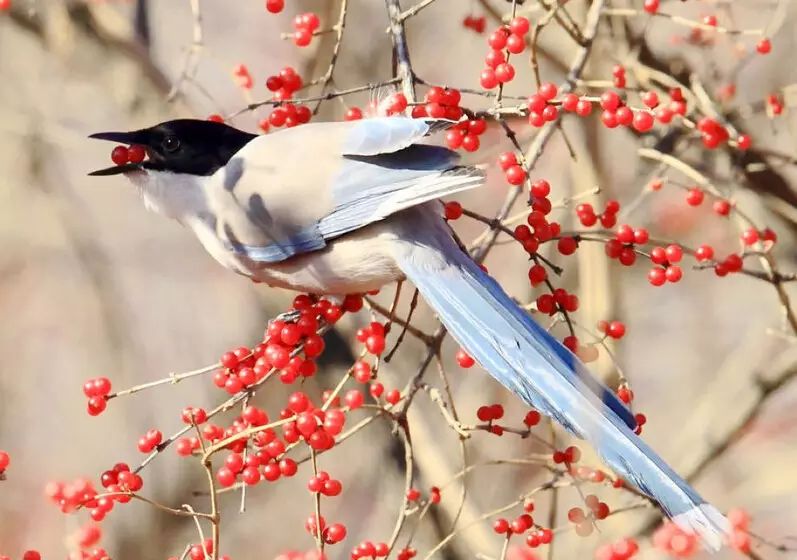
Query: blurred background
(92,284)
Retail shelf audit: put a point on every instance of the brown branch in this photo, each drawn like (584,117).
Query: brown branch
(402,67)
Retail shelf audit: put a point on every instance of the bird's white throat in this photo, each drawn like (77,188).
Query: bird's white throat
(179,196)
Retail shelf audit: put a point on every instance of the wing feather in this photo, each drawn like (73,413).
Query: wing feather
(360,173)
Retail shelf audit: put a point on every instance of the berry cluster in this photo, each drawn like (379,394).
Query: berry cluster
(368,549)
(618,73)
(585,522)
(439,103)
(121,155)
(667,269)
(540,108)
(524,524)
(149,441)
(331,534)
(617,113)
(284,84)
(588,218)
(373,336)
(511,38)
(466,134)
(243,77)
(304,26)
(475,23)
(97,391)
(775,104)
(288,115)
(514,173)
(675,541)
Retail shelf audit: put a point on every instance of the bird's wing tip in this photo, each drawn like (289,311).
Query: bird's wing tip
(707,523)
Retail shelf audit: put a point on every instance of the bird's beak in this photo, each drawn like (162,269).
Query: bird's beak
(128,138)
(135,137)
(117,169)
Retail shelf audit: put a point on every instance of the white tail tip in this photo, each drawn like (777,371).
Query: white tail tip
(707,523)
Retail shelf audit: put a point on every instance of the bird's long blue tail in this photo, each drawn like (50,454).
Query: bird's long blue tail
(531,363)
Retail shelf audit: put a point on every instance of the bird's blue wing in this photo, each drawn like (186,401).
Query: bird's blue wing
(376,168)
(385,135)
(370,188)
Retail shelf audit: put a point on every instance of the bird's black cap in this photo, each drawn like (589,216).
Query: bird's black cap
(191,146)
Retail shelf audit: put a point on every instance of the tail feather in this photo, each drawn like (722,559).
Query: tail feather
(532,364)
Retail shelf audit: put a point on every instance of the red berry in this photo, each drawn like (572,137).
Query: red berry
(464,360)
(136,153)
(97,405)
(625,116)
(615,329)
(375,344)
(532,418)
(120,155)
(504,72)
(674,253)
(498,39)
(651,6)
(453,210)
(488,78)
(225,476)
(567,245)
(470,143)
(569,102)
(507,160)
(704,253)
(650,99)
(519,25)
(657,276)
(548,91)
(515,44)
(540,188)
(695,197)
(275,6)
(609,119)
(584,108)
(501,526)
(515,175)
(764,46)
(673,273)
(334,533)
(302,37)
(750,236)
(610,101)
(643,121)
(575,515)
(721,207)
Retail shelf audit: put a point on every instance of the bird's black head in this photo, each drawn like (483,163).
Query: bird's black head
(189,146)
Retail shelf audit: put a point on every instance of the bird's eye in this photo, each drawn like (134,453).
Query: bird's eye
(171,144)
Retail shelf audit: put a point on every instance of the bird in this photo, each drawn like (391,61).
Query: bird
(335,208)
